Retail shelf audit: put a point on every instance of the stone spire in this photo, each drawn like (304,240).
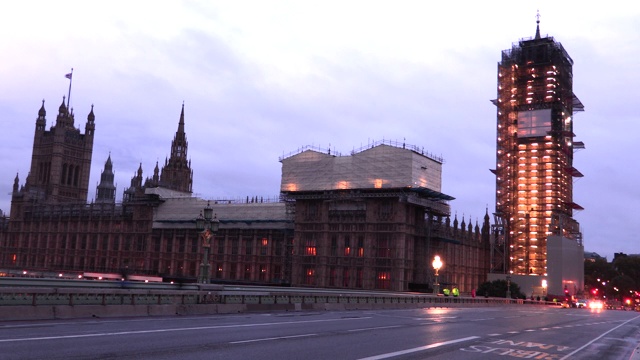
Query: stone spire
(538,26)
(41,121)
(106,189)
(176,173)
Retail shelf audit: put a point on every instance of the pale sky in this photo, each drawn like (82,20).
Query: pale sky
(260,79)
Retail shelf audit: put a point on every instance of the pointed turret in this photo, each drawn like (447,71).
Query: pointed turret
(62,110)
(65,118)
(106,190)
(91,117)
(486,225)
(90,127)
(41,121)
(16,184)
(156,172)
(42,112)
(181,122)
(538,26)
(176,173)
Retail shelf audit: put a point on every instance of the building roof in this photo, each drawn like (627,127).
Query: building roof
(381,166)
(182,212)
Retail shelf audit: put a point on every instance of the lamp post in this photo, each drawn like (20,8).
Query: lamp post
(437,265)
(508,287)
(207,226)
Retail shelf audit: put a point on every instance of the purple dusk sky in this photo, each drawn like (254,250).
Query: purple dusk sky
(260,79)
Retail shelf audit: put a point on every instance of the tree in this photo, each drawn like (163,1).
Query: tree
(498,288)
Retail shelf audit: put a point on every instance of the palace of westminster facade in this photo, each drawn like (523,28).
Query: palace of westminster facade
(369,220)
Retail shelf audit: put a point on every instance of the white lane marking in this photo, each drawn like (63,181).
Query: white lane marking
(173,330)
(437,318)
(596,339)
(375,328)
(272,338)
(494,334)
(421,348)
(513,332)
(482,319)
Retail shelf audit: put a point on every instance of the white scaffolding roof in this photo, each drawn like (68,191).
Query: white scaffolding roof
(378,167)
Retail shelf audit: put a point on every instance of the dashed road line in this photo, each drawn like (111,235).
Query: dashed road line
(375,328)
(421,348)
(272,338)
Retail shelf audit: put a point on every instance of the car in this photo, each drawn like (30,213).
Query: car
(567,304)
(596,305)
(581,303)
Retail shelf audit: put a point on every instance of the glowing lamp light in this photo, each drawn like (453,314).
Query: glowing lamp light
(437,264)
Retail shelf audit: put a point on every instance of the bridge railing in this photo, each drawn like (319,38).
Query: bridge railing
(11,296)
(55,292)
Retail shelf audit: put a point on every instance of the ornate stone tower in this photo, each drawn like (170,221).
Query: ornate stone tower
(60,162)
(534,156)
(176,173)
(106,189)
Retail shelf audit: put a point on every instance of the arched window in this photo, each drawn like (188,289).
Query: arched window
(76,175)
(64,174)
(69,175)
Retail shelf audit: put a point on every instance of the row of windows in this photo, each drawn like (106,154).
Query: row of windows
(346,248)
(347,277)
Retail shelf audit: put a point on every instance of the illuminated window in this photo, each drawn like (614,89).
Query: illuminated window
(263,248)
(310,246)
(383,280)
(347,246)
(310,276)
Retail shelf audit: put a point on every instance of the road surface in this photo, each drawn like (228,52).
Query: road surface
(525,331)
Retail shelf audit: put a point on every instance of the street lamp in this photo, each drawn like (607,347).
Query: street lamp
(207,226)
(508,287)
(437,265)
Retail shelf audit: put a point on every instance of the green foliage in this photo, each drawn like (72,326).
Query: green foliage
(614,280)
(498,288)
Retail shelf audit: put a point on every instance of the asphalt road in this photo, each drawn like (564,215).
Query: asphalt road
(525,331)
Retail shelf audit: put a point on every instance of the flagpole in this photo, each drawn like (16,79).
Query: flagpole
(69,97)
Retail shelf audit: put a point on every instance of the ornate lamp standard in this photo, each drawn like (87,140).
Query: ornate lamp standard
(208,226)
(437,265)
(508,287)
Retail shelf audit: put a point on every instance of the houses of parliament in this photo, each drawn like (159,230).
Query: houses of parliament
(373,225)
